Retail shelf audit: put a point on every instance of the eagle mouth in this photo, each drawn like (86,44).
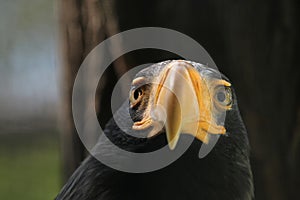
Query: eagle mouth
(183,101)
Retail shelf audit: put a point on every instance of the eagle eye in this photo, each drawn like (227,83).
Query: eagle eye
(136,96)
(137,93)
(223,96)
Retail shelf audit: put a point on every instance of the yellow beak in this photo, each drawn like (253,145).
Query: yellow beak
(185,103)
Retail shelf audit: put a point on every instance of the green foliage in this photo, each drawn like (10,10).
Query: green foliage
(29,167)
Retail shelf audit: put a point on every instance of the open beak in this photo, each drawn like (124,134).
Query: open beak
(184,103)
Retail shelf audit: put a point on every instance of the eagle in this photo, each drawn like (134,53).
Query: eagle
(169,103)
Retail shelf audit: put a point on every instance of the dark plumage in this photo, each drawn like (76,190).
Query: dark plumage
(224,173)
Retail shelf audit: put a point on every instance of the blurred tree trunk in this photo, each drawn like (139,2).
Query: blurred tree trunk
(71,55)
(83,25)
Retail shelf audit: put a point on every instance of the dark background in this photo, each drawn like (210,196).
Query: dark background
(254,43)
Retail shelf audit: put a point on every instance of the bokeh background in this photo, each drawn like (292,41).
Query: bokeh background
(42,44)
(29,76)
